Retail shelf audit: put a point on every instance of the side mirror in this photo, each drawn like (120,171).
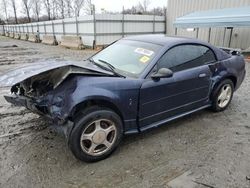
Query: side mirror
(162,73)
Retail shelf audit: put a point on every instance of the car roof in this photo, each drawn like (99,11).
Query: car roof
(170,41)
(160,39)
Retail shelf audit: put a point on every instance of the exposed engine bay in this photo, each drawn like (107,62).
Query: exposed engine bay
(38,85)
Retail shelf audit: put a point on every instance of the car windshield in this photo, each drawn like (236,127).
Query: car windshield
(127,57)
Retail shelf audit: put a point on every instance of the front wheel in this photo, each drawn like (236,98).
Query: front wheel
(222,95)
(96,134)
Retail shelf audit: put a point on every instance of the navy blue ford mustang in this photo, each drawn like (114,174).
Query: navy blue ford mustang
(135,84)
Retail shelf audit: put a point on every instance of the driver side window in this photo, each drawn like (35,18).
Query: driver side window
(186,56)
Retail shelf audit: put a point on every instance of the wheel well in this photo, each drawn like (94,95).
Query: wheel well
(101,103)
(233,78)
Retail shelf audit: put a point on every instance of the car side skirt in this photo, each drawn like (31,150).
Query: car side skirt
(157,124)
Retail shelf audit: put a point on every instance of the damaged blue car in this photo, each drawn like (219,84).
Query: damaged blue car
(135,84)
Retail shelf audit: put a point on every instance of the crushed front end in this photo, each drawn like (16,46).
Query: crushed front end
(39,95)
(48,93)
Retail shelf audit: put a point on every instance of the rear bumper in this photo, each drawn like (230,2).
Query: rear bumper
(240,79)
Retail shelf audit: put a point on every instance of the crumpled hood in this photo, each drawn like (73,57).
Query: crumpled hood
(20,74)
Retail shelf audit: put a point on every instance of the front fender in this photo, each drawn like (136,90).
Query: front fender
(122,94)
(63,103)
(79,97)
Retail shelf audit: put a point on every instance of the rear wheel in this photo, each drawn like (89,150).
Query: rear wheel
(222,95)
(96,134)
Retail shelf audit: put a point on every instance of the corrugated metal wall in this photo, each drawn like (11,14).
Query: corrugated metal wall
(1,30)
(178,8)
(103,28)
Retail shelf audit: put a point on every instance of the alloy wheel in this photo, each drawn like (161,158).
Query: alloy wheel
(225,95)
(98,137)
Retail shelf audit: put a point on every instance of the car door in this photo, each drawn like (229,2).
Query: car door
(186,90)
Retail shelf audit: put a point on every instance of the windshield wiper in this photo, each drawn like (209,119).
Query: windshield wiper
(108,64)
(110,68)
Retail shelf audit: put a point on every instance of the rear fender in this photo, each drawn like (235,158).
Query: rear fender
(217,81)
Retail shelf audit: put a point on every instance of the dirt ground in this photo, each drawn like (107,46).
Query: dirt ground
(201,150)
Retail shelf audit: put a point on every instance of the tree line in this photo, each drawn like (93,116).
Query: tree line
(43,10)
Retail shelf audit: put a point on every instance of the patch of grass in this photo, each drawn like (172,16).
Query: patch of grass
(2,37)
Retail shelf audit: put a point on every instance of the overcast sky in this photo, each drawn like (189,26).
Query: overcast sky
(116,5)
(108,5)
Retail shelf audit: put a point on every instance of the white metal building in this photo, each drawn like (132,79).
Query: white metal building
(179,8)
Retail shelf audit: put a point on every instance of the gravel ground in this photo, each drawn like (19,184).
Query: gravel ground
(200,150)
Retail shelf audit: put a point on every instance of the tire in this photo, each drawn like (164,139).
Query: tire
(96,134)
(220,101)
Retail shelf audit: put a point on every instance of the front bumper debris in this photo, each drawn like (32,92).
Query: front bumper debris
(65,128)
(21,101)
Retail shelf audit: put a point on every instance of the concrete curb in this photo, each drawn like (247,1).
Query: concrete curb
(49,39)
(17,36)
(12,35)
(33,38)
(73,42)
(24,36)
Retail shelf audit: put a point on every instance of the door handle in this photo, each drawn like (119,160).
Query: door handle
(202,75)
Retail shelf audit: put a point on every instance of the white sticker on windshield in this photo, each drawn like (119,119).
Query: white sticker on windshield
(144,51)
